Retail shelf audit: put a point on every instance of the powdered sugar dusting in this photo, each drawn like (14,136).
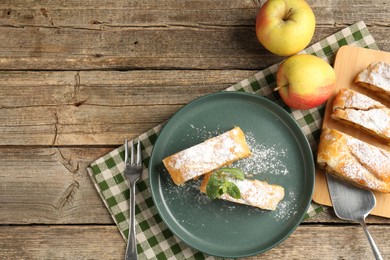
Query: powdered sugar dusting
(264,158)
(376,74)
(287,208)
(257,193)
(209,155)
(362,111)
(266,161)
(357,161)
(356,100)
(374,160)
(379,75)
(377,120)
(181,194)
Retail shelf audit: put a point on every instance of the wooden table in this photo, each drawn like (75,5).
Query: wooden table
(78,77)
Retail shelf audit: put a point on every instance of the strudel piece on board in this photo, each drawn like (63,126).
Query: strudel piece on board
(377,78)
(353,160)
(362,112)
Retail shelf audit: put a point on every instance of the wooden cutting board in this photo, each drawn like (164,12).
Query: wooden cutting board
(349,62)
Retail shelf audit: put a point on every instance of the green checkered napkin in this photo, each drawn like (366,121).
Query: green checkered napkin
(154,239)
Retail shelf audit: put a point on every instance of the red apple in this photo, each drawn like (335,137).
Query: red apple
(305,81)
(285,27)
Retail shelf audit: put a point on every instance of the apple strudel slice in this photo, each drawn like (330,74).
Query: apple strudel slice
(358,110)
(377,78)
(354,161)
(205,157)
(252,192)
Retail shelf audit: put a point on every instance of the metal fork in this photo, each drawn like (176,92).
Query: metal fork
(133,172)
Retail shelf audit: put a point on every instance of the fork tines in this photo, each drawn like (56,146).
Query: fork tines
(132,159)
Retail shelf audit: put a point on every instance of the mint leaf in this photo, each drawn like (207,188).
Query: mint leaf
(233,190)
(219,183)
(214,188)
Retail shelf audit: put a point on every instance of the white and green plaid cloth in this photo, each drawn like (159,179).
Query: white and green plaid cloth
(155,240)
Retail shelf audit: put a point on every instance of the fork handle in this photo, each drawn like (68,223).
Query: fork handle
(374,248)
(131,250)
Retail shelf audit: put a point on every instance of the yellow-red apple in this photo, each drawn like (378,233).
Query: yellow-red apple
(285,27)
(305,81)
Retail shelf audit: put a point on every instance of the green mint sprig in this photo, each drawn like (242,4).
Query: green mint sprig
(218,183)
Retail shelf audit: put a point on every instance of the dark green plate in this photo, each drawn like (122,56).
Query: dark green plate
(282,156)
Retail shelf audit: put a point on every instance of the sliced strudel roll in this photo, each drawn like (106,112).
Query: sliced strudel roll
(205,157)
(362,112)
(353,160)
(253,193)
(377,78)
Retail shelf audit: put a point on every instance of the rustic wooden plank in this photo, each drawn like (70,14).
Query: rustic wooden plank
(49,185)
(87,14)
(330,242)
(69,125)
(119,4)
(191,35)
(97,107)
(86,114)
(61,242)
(126,49)
(110,88)
(87,242)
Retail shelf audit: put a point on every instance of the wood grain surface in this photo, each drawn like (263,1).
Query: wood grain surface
(78,77)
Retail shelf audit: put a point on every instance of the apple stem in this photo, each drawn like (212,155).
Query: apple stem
(277,88)
(285,18)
